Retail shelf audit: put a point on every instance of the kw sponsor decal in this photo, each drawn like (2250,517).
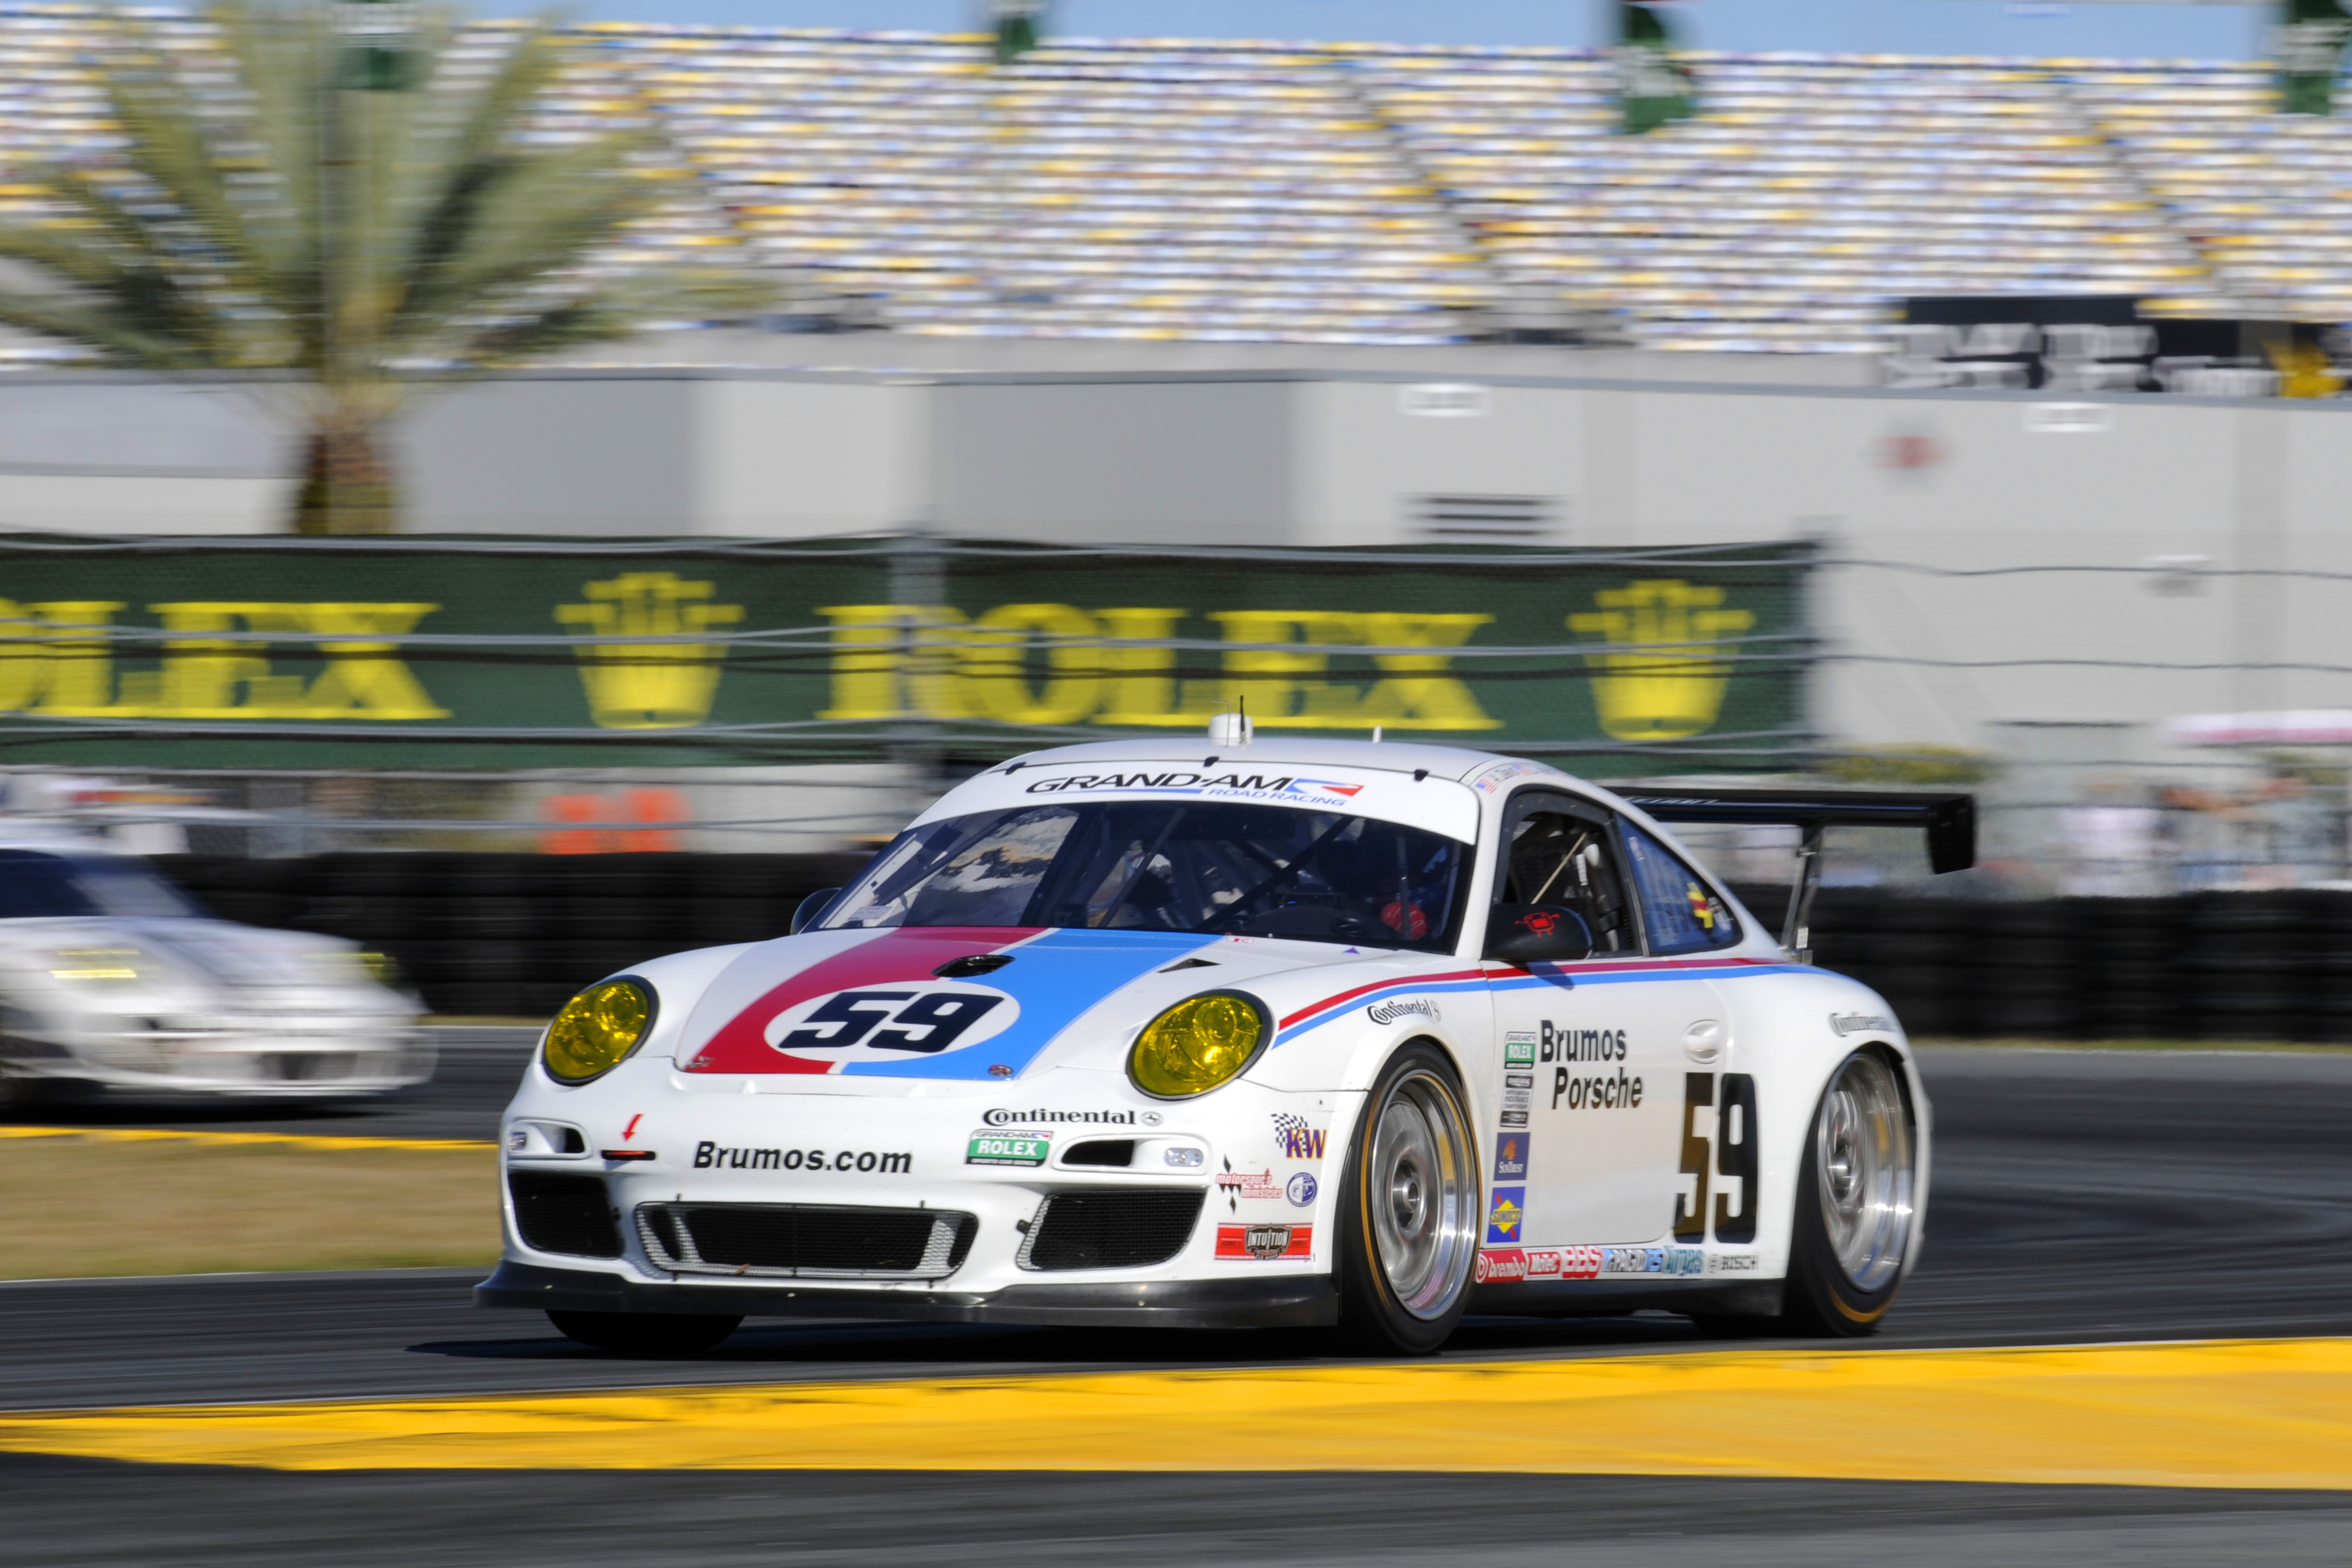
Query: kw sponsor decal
(1295,1139)
(1265,1241)
(1390,1012)
(1618,1093)
(1559,1044)
(1674,1260)
(1861,1022)
(1103,1118)
(1510,1265)
(1511,1156)
(710,1156)
(1023,1147)
(1504,1212)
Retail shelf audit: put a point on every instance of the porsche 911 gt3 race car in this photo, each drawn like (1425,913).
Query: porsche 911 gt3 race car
(1239,1032)
(113,981)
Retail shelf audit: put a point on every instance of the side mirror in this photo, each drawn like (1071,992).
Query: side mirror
(1537,933)
(812,907)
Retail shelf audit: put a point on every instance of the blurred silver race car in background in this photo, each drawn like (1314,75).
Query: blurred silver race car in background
(112,980)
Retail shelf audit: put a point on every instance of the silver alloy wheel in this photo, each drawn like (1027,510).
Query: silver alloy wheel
(1865,1170)
(1422,1187)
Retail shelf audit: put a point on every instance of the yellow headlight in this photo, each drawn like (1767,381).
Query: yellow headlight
(1196,1045)
(596,1029)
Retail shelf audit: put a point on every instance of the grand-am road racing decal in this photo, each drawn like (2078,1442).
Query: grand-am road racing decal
(1286,788)
(876,1008)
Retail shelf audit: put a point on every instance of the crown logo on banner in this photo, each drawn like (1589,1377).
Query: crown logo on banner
(653,686)
(1665,673)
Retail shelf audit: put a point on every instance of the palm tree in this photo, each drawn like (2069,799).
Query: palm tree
(353,218)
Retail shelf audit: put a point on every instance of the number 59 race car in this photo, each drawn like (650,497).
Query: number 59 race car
(1240,1032)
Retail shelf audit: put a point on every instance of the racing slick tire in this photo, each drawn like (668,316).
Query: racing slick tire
(1409,1208)
(1856,1203)
(645,1333)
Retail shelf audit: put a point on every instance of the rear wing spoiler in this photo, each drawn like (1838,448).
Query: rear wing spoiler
(1949,822)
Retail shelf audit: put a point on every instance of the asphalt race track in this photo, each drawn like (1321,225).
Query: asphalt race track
(2079,1196)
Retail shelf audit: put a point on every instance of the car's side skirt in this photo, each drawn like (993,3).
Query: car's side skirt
(1293,1300)
(1610,1298)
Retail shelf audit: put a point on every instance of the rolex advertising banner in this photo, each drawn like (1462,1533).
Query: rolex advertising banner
(480,653)
(1653,86)
(2310,48)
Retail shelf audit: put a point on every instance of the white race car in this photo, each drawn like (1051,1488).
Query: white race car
(112,981)
(1235,1033)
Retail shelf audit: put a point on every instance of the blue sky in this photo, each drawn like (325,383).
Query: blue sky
(1886,27)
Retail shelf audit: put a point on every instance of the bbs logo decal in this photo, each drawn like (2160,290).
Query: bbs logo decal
(891,1023)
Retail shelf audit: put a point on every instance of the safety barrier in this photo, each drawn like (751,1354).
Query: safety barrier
(513,935)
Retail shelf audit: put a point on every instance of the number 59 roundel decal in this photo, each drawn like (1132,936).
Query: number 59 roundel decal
(901,1022)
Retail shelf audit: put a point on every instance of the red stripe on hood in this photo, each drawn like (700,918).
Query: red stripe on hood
(900,954)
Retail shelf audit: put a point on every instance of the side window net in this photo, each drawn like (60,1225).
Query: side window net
(1559,859)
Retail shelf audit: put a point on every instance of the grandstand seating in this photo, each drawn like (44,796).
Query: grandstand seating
(1386,194)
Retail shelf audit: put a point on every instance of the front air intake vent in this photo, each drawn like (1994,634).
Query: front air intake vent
(570,1215)
(1111,1230)
(798,1240)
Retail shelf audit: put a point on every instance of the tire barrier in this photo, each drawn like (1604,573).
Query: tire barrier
(514,935)
(2273,965)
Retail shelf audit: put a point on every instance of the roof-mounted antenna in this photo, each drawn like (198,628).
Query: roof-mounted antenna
(1376,734)
(1232,729)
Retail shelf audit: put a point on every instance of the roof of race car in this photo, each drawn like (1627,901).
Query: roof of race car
(1191,748)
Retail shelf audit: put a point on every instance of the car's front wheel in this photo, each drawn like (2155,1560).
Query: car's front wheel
(1857,1198)
(1409,1208)
(644,1333)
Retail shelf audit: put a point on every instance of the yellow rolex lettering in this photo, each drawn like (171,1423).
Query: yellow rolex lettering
(995,657)
(869,659)
(1416,692)
(57,658)
(1277,683)
(363,678)
(1142,678)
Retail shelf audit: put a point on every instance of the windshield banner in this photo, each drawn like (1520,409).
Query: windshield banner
(470,652)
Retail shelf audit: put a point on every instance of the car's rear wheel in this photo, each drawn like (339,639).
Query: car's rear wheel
(1409,1208)
(1856,1202)
(644,1333)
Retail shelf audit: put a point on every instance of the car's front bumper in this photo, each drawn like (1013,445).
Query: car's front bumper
(1293,1300)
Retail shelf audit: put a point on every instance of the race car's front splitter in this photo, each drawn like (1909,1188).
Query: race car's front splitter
(1294,1300)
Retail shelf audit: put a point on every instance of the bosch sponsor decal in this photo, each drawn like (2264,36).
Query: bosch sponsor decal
(1224,786)
(1731,1263)
(1576,1093)
(1505,1211)
(1673,1260)
(1301,1190)
(1099,1118)
(1511,1264)
(1861,1022)
(874,1008)
(1023,1147)
(1390,1012)
(1511,1156)
(1519,1049)
(1559,1044)
(710,1156)
(1265,1241)
(1296,1140)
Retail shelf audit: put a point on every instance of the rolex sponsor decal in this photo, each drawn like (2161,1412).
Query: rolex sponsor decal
(1027,1147)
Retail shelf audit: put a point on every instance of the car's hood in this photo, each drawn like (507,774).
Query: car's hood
(871,1003)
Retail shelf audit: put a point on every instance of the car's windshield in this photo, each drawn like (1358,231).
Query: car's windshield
(35,884)
(1164,866)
